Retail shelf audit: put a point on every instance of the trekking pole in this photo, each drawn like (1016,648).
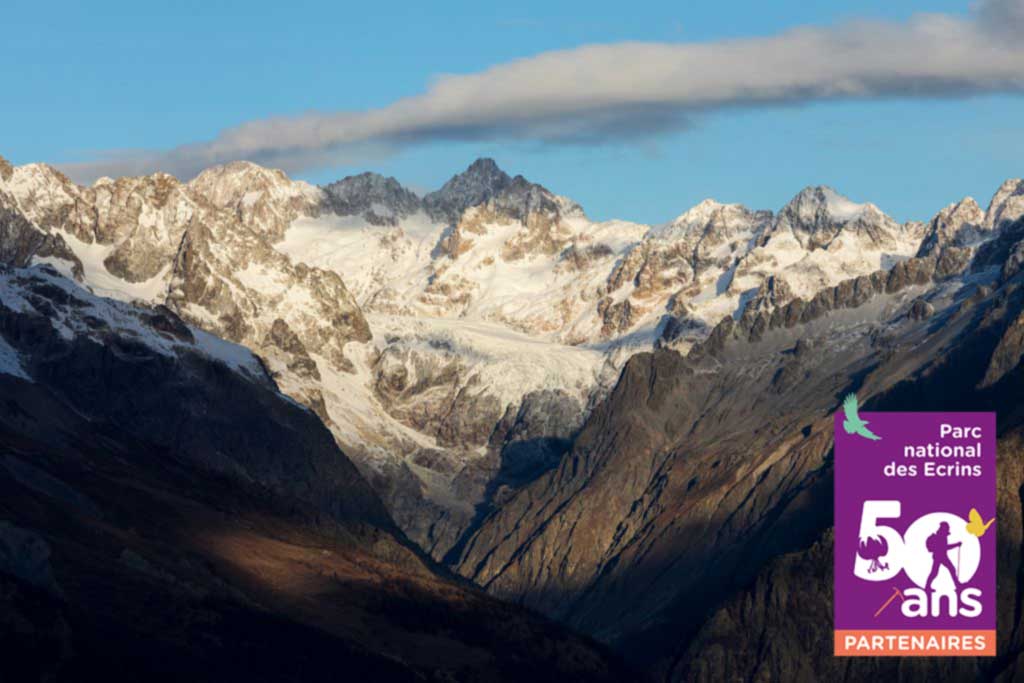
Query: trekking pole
(958,549)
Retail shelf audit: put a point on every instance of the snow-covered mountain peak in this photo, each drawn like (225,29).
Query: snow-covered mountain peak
(702,211)
(483,174)
(1007,204)
(264,199)
(37,177)
(959,224)
(482,180)
(379,200)
(711,216)
(818,214)
(813,201)
(6,169)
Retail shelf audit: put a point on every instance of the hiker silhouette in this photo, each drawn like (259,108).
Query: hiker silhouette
(939,546)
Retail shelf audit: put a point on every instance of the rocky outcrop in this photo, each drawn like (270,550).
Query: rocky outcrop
(1007,204)
(481,181)
(817,215)
(263,199)
(1004,252)
(958,225)
(237,287)
(920,310)
(203,249)
(140,220)
(372,197)
(21,242)
(477,199)
(707,239)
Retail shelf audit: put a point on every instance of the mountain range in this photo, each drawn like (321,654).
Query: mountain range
(623,427)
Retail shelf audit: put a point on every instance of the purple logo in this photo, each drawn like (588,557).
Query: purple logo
(914,533)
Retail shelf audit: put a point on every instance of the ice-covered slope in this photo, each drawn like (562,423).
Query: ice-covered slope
(530,260)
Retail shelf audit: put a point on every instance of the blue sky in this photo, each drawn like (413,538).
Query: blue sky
(123,76)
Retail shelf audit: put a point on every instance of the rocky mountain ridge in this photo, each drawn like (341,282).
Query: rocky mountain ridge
(424,331)
(564,410)
(700,470)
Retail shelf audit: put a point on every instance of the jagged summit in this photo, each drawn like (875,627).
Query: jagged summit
(817,215)
(814,201)
(958,224)
(1007,204)
(481,181)
(384,201)
(378,199)
(265,199)
(483,173)
(712,216)
(235,176)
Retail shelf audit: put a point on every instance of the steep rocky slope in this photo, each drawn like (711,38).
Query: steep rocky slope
(698,470)
(166,514)
(778,625)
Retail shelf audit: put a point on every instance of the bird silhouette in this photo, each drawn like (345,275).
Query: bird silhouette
(853,424)
(975,526)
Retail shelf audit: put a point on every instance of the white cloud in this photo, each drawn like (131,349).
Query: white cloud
(628,90)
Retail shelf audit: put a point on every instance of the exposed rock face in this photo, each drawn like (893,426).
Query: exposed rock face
(140,220)
(203,249)
(959,224)
(1007,204)
(263,199)
(374,198)
(771,294)
(21,242)
(481,181)
(817,215)
(213,265)
(921,310)
(486,196)
(685,257)
(819,239)
(238,286)
(167,513)
(425,390)
(1004,252)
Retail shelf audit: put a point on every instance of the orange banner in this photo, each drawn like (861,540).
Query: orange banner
(930,643)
